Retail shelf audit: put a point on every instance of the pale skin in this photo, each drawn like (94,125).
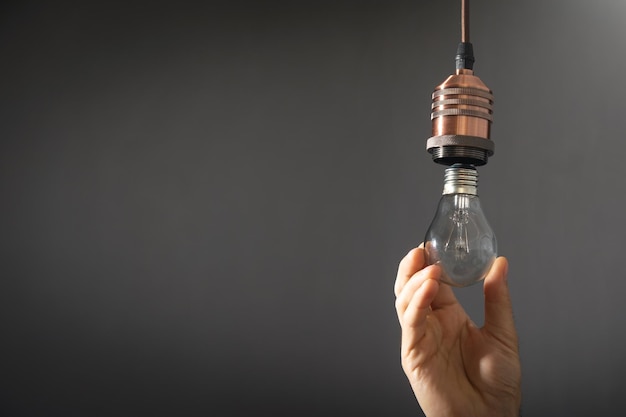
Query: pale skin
(454,367)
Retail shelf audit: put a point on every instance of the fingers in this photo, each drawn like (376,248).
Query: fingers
(414,261)
(409,265)
(418,307)
(498,309)
(413,306)
(411,291)
(445,297)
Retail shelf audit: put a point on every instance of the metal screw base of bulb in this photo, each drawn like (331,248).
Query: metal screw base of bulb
(461,179)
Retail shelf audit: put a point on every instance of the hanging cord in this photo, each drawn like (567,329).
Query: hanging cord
(465,52)
(465,24)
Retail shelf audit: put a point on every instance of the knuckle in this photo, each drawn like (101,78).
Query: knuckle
(398,305)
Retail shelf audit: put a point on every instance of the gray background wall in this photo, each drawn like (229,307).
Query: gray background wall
(203,206)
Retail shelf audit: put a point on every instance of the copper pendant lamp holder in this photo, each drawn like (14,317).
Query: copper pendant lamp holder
(462,110)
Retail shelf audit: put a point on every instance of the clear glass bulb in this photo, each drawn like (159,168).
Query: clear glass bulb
(459,238)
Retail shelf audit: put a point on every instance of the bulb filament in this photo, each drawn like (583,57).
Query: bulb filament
(458,241)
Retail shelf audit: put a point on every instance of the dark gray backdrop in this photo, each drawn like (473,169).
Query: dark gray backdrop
(203,207)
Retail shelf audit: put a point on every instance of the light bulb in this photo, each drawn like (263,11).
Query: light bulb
(459,238)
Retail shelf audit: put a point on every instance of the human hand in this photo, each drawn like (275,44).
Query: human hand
(454,367)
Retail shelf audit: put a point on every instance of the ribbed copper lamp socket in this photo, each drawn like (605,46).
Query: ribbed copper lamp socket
(461,117)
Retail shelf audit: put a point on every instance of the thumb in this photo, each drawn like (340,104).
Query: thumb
(498,309)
